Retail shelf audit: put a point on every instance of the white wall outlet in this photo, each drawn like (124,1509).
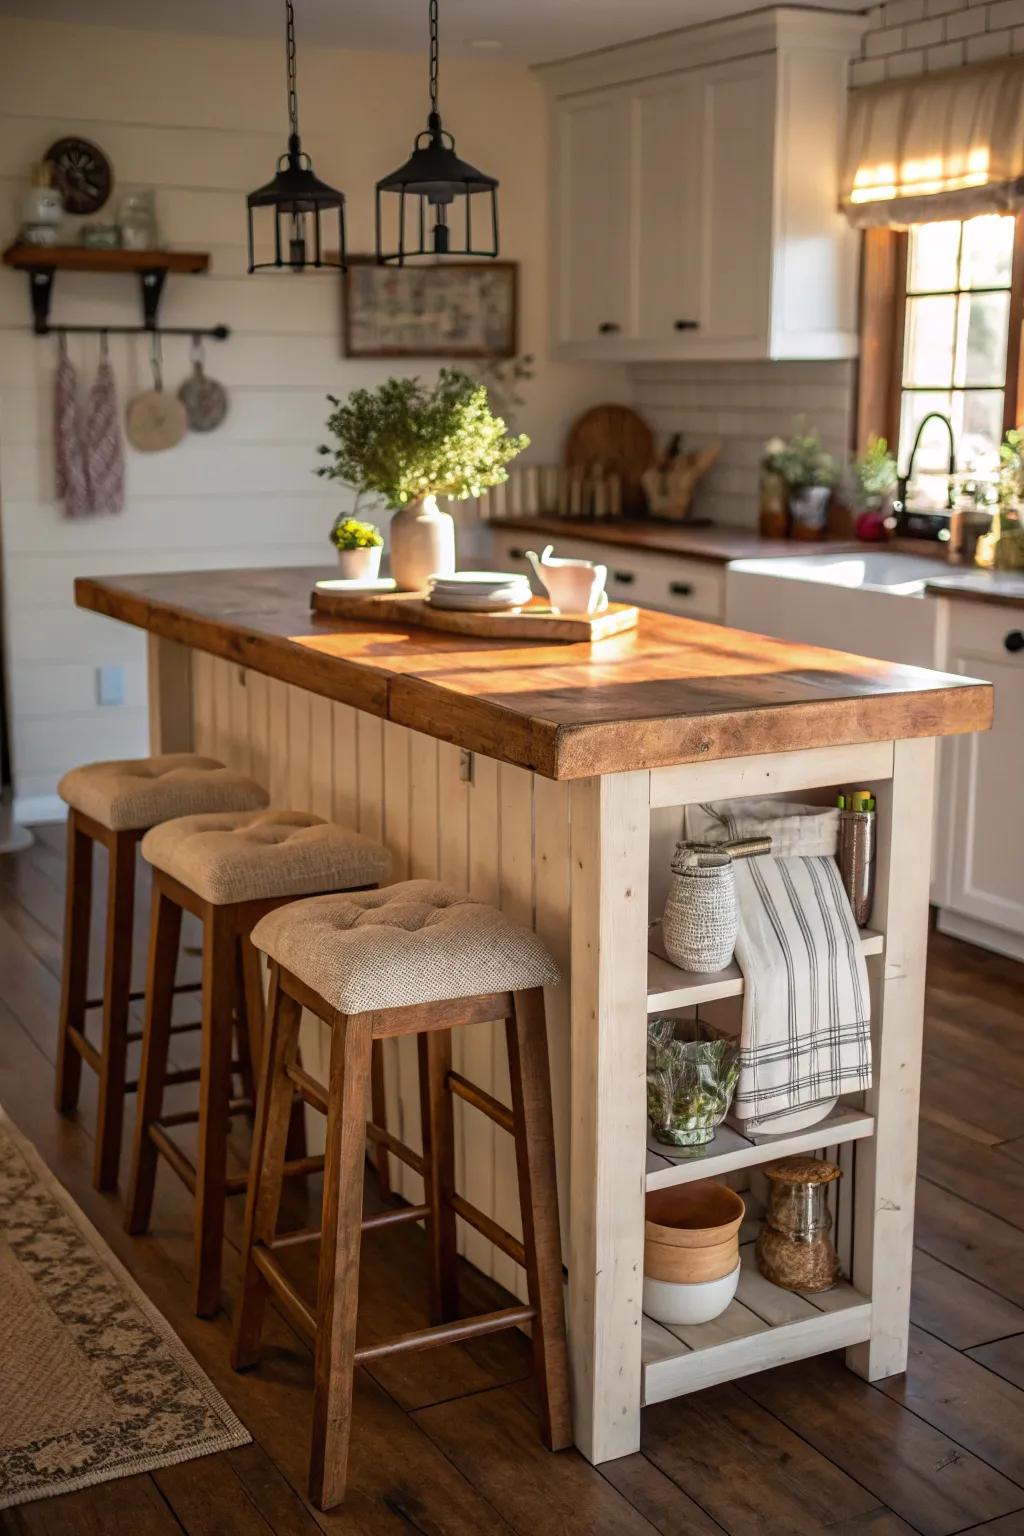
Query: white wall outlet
(110,685)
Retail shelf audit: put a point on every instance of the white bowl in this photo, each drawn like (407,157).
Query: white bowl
(673,1302)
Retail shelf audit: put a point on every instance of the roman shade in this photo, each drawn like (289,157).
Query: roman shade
(945,146)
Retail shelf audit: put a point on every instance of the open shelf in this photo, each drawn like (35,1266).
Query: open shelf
(763,1327)
(669,987)
(731,1149)
(86,258)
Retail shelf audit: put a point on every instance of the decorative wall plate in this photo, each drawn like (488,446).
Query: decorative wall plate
(82,172)
(205,401)
(154,421)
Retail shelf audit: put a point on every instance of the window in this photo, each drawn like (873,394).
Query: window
(941,320)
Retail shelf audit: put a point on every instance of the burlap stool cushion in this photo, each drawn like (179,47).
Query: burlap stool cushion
(415,942)
(247,856)
(143,791)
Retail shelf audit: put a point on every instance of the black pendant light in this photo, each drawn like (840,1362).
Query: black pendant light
(297,197)
(434,180)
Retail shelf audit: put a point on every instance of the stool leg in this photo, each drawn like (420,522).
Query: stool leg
(75,969)
(214,1095)
(266,1167)
(117,980)
(435,1057)
(164,936)
(538,1199)
(255,1011)
(338,1289)
(247,1050)
(379,1113)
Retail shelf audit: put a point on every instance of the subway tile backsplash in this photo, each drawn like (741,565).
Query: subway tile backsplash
(914,37)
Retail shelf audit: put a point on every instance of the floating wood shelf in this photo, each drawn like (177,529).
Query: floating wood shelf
(765,1326)
(43,262)
(669,987)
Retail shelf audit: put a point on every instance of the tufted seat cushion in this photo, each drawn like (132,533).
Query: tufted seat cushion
(415,942)
(247,856)
(140,792)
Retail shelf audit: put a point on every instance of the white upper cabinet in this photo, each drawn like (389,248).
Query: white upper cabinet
(695,194)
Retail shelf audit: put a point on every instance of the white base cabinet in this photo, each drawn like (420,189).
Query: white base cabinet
(695,193)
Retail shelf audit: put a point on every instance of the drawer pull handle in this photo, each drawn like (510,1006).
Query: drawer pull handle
(681,588)
(687,325)
(1015,640)
(609,327)
(516,554)
(623,577)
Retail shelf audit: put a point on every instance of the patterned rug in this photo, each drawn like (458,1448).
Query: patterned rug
(93,1382)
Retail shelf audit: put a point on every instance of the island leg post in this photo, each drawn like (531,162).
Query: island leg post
(169,673)
(610,853)
(886,1163)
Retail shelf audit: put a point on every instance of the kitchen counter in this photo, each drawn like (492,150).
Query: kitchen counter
(550,781)
(1005,588)
(716,544)
(672,691)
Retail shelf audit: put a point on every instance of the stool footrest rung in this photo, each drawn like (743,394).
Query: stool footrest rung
(480,1099)
(139,996)
(176,1029)
(312,1092)
(191,1116)
(489,1229)
(182,1165)
(301,1316)
(85,1048)
(383,1138)
(395,1217)
(447,1333)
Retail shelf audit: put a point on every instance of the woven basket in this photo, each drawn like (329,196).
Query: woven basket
(701,918)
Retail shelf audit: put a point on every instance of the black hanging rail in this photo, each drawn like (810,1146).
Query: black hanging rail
(215,332)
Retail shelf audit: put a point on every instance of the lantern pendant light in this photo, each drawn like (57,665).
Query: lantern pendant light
(435,182)
(296,196)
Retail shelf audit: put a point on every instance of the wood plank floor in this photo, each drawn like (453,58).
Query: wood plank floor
(445,1444)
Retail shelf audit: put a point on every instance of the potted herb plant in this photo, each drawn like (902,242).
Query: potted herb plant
(809,472)
(359,548)
(874,480)
(408,443)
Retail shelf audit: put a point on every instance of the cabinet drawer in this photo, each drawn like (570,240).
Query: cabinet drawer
(694,589)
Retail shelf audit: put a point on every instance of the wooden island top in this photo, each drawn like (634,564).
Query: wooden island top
(671,691)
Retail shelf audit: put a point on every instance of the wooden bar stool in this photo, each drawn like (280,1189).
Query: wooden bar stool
(114,804)
(418,959)
(229,871)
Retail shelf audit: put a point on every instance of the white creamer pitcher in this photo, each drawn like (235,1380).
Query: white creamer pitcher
(574,586)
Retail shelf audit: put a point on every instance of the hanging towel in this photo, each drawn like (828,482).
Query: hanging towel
(70,469)
(805,1035)
(104,448)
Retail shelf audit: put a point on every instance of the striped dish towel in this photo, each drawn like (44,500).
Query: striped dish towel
(805,1035)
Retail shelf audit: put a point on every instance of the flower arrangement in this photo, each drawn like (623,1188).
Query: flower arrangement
(800,459)
(350,533)
(408,440)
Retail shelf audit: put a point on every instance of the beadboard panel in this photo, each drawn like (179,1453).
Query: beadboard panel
(496,831)
(201,122)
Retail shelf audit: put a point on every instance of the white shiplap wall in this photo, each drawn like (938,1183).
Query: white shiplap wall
(201,119)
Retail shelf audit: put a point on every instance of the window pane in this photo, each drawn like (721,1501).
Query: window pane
(978,423)
(932,259)
(987,252)
(981,338)
(933,451)
(931,327)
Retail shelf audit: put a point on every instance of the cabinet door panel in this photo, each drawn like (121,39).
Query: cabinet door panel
(591,213)
(736,225)
(666,251)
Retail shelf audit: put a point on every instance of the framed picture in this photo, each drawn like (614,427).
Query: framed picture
(460,309)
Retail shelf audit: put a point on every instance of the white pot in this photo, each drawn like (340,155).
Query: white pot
(809,505)
(670,1301)
(360,564)
(422,544)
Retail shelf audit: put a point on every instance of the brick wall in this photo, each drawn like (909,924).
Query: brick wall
(914,37)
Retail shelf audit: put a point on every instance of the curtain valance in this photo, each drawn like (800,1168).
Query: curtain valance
(945,146)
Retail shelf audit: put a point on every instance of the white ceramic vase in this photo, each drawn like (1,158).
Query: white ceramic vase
(360,564)
(422,544)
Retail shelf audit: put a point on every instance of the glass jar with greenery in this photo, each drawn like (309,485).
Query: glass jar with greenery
(809,473)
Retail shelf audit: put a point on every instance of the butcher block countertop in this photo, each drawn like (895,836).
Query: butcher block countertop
(671,691)
(717,545)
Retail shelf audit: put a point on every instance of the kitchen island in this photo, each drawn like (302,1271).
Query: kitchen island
(550,780)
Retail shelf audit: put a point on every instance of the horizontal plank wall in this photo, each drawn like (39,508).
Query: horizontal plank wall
(201,120)
(498,832)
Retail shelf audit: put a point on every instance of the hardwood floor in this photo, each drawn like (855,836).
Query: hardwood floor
(446,1444)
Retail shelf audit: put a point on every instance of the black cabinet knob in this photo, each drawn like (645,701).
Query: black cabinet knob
(609,327)
(623,577)
(517,554)
(1015,640)
(687,325)
(681,588)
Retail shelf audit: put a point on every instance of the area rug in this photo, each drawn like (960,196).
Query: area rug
(94,1384)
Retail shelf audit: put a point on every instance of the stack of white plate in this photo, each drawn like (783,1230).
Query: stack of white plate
(479,591)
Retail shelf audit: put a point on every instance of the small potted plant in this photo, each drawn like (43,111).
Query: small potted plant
(410,442)
(809,472)
(359,547)
(874,480)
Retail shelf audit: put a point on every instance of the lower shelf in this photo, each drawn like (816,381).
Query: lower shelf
(765,1326)
(731,1150)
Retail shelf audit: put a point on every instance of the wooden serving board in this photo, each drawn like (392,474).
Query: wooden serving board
(534,622)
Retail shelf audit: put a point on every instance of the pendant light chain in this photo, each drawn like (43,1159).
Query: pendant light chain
(433,55)
(293,95)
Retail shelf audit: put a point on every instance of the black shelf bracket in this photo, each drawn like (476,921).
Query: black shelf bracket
(151,287)
(151,283)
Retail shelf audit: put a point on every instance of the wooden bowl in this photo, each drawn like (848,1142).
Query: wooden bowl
(667,1261)
(697,1215)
